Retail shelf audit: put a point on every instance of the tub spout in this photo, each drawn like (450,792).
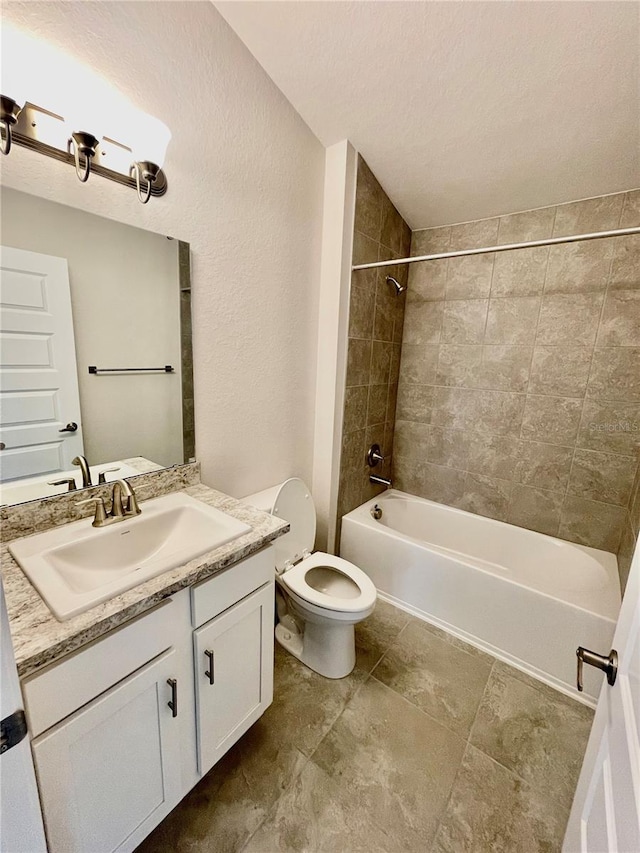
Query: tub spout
(380,481)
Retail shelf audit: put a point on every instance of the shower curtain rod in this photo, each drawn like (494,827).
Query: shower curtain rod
(552,241)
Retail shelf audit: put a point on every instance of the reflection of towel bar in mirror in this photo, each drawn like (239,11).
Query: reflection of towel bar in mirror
(97,370)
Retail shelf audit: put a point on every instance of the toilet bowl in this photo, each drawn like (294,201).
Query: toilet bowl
(325,595)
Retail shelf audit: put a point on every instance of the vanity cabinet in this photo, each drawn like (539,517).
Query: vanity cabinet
(234,673)
(124,727)
(110,772)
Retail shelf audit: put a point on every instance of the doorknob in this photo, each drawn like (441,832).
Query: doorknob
(72,427)
(608,665)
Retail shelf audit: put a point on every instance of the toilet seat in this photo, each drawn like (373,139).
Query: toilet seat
(295,580)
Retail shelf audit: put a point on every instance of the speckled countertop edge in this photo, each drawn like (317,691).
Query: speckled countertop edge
(38,637)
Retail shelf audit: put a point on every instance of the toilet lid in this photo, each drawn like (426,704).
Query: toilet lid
(294,504)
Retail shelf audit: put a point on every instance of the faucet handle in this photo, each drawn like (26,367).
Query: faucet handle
(132,504)
(101,511)
(66,481)
(101,476)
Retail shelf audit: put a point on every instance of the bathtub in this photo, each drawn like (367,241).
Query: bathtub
(526,598)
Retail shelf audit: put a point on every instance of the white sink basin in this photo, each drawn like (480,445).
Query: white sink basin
(78,566)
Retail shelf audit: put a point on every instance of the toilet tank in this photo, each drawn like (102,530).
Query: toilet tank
(264,500)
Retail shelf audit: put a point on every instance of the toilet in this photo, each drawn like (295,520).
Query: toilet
(325,596)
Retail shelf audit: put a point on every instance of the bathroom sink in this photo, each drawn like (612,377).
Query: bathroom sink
(78,566)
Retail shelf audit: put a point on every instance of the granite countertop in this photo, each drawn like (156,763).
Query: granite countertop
(38,637)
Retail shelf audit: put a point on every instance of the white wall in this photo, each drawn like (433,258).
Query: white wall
(126,313)
(245,190)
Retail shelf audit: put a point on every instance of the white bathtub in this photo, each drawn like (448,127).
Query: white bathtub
(525,598)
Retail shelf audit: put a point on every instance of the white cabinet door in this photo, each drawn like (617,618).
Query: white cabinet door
(234,673)
(111,771)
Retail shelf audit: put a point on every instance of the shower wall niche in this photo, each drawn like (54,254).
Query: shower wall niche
(375,333)
(519,385)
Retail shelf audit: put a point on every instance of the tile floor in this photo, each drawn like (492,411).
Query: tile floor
(429,745)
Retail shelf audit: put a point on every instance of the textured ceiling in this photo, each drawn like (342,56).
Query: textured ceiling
(463,109)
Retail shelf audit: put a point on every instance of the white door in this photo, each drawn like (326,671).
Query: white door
(109,773)
(38,377)
(234,674)
(21,827)
(605,816)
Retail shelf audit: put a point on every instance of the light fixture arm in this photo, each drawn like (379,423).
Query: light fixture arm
(9,112)
(81,143)
(144,170)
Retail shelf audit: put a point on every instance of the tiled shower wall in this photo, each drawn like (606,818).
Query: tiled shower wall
(519,394)
(630,531)
(375,333)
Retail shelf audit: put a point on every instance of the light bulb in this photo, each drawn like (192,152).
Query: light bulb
(148,138)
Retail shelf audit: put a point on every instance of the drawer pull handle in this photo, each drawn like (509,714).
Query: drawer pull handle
(173,704)
(210,672)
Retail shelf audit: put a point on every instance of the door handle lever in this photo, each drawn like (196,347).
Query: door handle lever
(608,665)
(71,427)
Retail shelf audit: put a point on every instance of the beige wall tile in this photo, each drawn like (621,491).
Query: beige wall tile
(365,251)
(474,235)
(464,321)
(355,408)
(552,420)
(448,447)
(418,363)
(585,217)
(353,451)
(411,440)
(520,273)
(579,267)
(630,210)
(605,477)
(358,362)
(394,367)
(422,322)
(545,466)
(380,362)
(430,241)
(497,412)
(392,400)
(444,485)
(469,277)
(503,368)
(361,311)
(625,269)
(408,475)
(620,321)
(529,225)
(377,404)
(610,427)
(414,403)
(535,509)
(615,374)
(427,281)
(350,494)
(569,318)
(384,319)
(494,455)
(512,320)
(591,523)
(457,364)
(634,504)
(486,496)
(560,371)
(391,226)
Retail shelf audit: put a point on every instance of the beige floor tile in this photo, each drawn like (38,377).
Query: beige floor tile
(397,759)
(539,736)
(437,676)
(491,810)
(375,634)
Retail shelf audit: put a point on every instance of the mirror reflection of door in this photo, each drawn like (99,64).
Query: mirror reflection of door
(38,379)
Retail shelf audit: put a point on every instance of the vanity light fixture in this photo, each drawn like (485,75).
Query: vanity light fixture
(63,109)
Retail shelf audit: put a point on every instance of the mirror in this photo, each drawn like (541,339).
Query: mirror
(95,349)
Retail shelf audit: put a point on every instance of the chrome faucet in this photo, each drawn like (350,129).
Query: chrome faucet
(84,467)
(119,511)
(380,481)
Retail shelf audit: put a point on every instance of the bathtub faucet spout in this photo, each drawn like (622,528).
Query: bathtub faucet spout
(380,481)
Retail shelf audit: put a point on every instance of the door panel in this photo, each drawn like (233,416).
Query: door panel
(38,373)
(240,643)
(111,771)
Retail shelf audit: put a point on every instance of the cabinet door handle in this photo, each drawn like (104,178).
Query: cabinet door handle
(210,672)
(173,704)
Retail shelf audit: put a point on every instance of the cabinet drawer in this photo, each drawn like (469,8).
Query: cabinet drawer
(224,590)
(62,688)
